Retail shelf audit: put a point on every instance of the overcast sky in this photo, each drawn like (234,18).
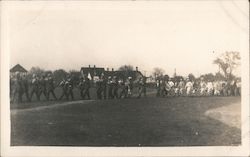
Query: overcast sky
(181,35)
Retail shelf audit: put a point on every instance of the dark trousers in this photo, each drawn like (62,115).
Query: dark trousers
(53,94)
(86,93)
(71,94)
(115,92)
(110,92)
(64,94)
(35,91)
(142,90)
(44,93)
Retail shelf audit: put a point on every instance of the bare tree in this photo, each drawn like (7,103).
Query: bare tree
(158,72)
(126,68)
(227,62)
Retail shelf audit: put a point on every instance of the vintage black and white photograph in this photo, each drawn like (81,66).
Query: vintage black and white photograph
(130,74)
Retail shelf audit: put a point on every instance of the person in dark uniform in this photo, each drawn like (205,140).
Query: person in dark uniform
(142,87)
(51,87)
(19,88)
(104,87)
(99,87)
(110,88)
(86,85)
(115,87)
(35,87)
(42,86)
(123,89)
(81,86)
(25,87)
(64,87)
(69,82)
(158,88)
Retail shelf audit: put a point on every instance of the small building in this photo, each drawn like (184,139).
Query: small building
(91,72)
(18,69)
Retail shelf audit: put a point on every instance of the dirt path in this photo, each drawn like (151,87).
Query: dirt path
(15,111)
(229,115)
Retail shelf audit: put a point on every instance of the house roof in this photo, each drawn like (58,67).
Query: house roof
(18,68)
(120,74)
(124,74)
(92,71)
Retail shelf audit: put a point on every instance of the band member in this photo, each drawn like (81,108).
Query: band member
(123,88)
(64,87)
(99,82)
(81,86)
(129,87)
(238,85)
(42,86)
(35,87)
(25,87)
(115,87)
(86,85)
(51,87)
(158,88)
(110,88)
(69,83)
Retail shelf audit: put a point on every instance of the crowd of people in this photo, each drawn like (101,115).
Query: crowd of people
(112,87)
(200,87)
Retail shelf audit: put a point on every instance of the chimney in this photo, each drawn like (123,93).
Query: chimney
(112,69)
(136,68)
(107,69)
(94,66)
(89,66)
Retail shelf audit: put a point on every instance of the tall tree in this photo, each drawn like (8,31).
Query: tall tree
(227,62)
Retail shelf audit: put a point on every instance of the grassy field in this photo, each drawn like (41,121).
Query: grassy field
(126,122)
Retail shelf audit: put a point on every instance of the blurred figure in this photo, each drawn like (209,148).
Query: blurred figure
(64,87)
(51,87)
(123,88)
(171,87)
(181,87)
(110,88)
(210,88)
(158,88)
(238,86)
(189,87)
(42,86)
(217,88)
(35,87)
(142,87)
(115,87)
(86,86)
(69,83)
(25,87)
(81,86)
(203,87)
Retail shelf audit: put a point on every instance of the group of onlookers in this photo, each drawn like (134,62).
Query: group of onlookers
(168,87)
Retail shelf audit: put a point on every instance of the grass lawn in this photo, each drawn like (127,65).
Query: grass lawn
(176,121)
